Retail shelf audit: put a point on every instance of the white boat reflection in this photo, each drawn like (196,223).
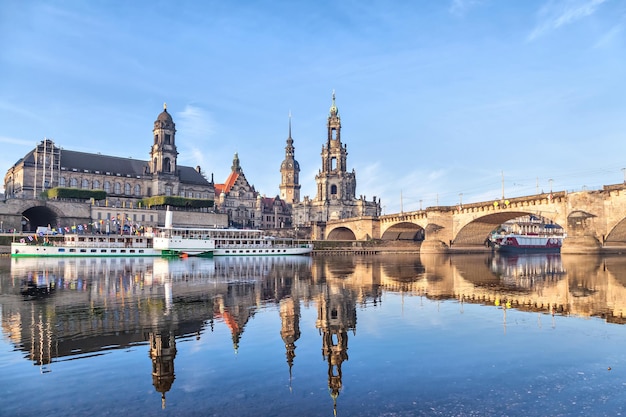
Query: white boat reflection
(42,270)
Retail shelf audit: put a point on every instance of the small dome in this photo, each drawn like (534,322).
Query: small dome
(290,164)
(165,117)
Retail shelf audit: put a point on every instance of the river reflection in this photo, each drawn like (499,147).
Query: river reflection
(107,327)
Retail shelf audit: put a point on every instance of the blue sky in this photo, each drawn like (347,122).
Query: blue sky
(441,101)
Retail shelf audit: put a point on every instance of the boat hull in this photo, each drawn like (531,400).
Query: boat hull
(528,249)
(261,251)
(21,250)
(530,244)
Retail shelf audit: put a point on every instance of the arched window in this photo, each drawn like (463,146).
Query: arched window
(85,184)
(96,184)
(155,167)
(333,189)
(62,182)
(118,188)
(74,182)
(137,189)
(107,187)
(166,165)
(168,191)
(127,189)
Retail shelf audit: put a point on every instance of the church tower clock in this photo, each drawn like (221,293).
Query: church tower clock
(290,173)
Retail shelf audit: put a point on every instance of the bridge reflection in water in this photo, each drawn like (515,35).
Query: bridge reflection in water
(59,309)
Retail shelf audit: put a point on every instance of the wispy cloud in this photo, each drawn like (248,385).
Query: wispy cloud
(557,13)
(609,37)
(195,123)
(461,7)
(16,141)
(195,126)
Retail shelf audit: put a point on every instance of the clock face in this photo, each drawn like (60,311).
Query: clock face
(290,165)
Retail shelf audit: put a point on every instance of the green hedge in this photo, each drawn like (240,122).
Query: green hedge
(162,200)
(75,193)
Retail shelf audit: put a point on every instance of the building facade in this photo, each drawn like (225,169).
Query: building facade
(336,186)
(237,198)
(126,181)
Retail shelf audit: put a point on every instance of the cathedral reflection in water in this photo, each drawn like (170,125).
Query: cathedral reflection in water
(77,307)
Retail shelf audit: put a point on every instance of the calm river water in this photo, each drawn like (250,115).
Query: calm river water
(458,335)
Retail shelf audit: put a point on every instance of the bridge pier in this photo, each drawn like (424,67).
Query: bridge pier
(434,246)
(581,244)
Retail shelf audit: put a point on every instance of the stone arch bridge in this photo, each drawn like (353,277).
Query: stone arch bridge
(593,220)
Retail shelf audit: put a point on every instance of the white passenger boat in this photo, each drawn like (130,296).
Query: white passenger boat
(206,241)
(85,245)
(219,242)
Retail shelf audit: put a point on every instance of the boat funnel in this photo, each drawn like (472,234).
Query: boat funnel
(168,218)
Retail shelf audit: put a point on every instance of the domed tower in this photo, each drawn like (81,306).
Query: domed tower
(163,153)
(290,173)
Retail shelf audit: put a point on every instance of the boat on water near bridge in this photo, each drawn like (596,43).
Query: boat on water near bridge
(529,235)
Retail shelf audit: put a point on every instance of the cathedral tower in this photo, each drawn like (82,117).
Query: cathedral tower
(334,183)
(290,173)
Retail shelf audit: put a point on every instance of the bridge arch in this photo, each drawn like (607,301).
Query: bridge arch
(406,231)
(36,216)
(617,235)
(341,233)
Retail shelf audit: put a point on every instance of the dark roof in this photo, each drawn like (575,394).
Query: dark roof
(188,175)
(80,161)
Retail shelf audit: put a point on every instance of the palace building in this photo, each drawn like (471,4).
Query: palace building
(336,186)
(125,180)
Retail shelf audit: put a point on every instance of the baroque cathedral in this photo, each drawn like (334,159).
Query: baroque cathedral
(336,186)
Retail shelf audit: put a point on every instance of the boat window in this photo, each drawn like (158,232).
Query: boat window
(72,250)
(61,250)
(93,250)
